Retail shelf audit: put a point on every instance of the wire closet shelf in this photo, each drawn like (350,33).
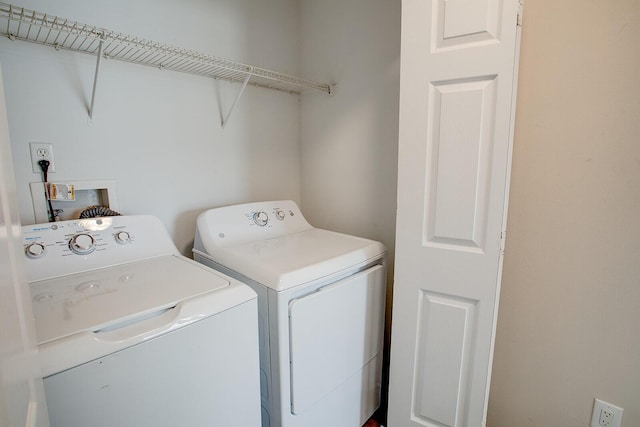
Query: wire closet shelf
(37,27)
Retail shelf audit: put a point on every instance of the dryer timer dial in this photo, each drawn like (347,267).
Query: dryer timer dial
(261,218)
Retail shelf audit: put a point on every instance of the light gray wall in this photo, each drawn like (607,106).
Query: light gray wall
(568,321)
(158,133)
(350,139)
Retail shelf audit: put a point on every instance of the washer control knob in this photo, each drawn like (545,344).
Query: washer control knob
(123,237)
(82,244)
(34,250)
(280,214)
(261,218)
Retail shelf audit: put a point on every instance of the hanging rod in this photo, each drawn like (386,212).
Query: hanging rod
(37,27)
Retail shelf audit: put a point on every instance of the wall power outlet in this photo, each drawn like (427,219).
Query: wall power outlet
(41,151)
(606,415)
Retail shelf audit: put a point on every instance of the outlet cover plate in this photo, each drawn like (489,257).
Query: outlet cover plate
(41,151)
(606,415)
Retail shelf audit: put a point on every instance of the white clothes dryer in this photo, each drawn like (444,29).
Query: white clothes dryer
(130,333)
(321,300)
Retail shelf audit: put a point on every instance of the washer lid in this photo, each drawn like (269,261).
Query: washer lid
(103,298)
(294,259)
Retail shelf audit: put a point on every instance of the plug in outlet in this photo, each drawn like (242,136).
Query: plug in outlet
(41,151)
(606,415)
(606,418)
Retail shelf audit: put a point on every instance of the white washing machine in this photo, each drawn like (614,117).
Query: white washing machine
(321,298)
(132,334)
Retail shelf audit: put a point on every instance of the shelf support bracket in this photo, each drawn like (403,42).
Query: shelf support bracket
(235,101)
(95,77)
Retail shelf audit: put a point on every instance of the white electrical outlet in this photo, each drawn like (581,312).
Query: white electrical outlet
(606,415)
(41,151)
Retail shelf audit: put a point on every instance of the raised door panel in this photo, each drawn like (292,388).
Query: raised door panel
(446,333)
(460,22)
(459,161)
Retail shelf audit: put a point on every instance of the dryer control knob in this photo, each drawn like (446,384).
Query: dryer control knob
(280,214)
(123,237)
(82,244)
(261,218)
(34,250)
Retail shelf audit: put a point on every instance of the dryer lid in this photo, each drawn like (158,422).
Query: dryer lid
(294,259)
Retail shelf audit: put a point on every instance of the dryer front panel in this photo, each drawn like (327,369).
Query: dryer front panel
(334,333)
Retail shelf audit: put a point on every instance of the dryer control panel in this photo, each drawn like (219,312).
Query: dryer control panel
(238,224)
(66,247)
(269,216)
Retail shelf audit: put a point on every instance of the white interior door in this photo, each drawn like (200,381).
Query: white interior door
(457,93)
(21,393)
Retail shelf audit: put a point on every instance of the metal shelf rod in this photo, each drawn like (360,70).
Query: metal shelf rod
(95,78)
(235,101)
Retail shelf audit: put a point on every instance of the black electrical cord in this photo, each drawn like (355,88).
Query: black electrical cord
(44,165)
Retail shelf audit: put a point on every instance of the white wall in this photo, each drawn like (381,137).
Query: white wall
(158,133)
(350,139)
(568,321)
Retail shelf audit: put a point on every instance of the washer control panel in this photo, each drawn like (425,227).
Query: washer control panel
(66,247)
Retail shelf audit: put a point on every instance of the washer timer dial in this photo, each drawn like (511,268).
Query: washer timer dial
(261,218)
(82,244)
